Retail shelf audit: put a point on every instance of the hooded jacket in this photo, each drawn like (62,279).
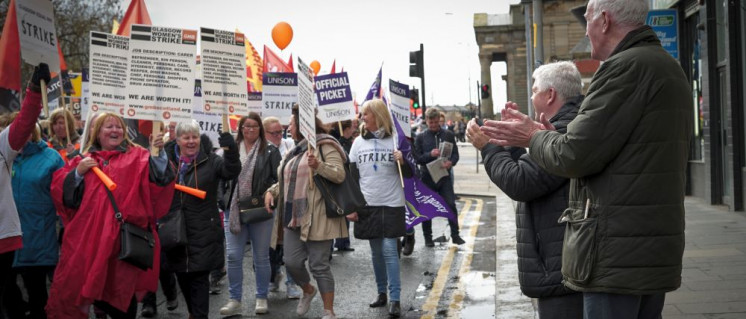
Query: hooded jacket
(32,179)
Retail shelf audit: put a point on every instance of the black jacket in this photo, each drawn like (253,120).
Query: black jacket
(426,142)
(205,250)
(265,174)
(542,198)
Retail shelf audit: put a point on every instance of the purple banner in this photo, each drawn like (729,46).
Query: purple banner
(333,88)
(255,96)
(375,88)
(280,79)
(422,203)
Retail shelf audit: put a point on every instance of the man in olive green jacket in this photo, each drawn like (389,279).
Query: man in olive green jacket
(626,152)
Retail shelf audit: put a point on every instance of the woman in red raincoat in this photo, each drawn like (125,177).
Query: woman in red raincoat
(89,271)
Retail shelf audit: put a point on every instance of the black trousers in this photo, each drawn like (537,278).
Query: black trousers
(35,282)
(195,286)
(168,285)
(600,305)
(444,188)
(115,313)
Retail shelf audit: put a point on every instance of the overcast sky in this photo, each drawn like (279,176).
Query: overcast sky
(360,35)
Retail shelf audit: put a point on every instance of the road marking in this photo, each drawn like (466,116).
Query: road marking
(454,310)
(431,304)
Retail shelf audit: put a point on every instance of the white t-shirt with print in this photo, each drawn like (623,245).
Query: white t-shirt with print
(379,175)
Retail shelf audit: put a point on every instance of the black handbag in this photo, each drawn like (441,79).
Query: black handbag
(136,244)
(172,230)
(251,209)
(341,199)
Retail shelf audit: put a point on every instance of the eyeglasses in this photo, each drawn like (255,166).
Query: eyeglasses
(276,133)
(251,127)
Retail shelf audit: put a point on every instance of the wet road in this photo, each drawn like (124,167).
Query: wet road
(446,281)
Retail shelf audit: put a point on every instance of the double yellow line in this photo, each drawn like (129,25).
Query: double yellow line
(431,304)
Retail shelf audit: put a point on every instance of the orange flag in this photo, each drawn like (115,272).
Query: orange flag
(136,13)
(10,51)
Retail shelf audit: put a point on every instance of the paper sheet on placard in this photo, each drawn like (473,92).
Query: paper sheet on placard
(400,105)
(209,124)
(161,73)
(108,73)
(255,103)
(36,33)
(85,95)
(335,97)
(306,109)
(279,93)
(223,62)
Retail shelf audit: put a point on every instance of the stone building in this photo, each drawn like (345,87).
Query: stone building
(502,38)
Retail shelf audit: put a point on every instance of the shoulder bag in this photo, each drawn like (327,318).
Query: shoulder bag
(137,244)
(340,199)
(172,230)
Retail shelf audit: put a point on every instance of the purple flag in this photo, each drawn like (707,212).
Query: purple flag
(375,88)
(422,203)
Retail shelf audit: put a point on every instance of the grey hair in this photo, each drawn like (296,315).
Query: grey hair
(269,120)
(187,127)
(625,12)
(563,76)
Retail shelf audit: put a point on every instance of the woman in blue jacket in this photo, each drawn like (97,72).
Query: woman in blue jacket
(31,179)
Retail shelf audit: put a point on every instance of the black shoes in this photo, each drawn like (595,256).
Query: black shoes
(429,242)
(408,245)
(148,311)
(346,249)
(394,309)
(380,301)
(456,239)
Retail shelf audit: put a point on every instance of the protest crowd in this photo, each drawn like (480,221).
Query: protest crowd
(108,211)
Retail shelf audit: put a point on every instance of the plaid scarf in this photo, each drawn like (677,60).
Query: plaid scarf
(243,184)
(295,187)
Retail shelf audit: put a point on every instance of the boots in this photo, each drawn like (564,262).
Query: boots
(408,245)
(380,301)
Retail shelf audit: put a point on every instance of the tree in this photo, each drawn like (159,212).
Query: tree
(74,20)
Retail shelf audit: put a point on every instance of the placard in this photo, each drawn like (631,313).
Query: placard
(108,73)
(279,93)
(161,74)
(223,62)
(36,33)
(335,98)
(400,104)
(306,109)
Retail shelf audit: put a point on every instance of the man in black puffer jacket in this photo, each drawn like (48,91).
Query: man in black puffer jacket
(541,197)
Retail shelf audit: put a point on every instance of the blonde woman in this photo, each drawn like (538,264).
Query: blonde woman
(382,222)
(68,147)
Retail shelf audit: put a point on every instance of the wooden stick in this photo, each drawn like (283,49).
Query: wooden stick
(64,116)
(44,101)
(401,177)
(154,151)
(340,128)
(226,127)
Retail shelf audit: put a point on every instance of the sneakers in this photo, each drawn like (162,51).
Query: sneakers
(232,308)
(456,239)
(305,302)
(328,314)
(171,305)
(216,278)
(293,291)
(274,286)
(261,307)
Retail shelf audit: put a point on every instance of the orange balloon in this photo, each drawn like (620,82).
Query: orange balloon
(316,66)
(282,34)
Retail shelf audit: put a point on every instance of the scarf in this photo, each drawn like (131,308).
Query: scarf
(243,184)
(295,185)
(184,162)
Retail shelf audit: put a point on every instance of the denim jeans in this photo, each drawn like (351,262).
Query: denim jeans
(615,306)
(260,234)
(386,266)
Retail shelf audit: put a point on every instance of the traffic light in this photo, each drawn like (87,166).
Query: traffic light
(416,68)
(485,91)
(414,96)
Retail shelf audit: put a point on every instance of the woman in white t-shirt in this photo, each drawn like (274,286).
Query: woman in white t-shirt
(382,222)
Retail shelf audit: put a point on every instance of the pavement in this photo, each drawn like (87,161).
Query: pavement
(714,268)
